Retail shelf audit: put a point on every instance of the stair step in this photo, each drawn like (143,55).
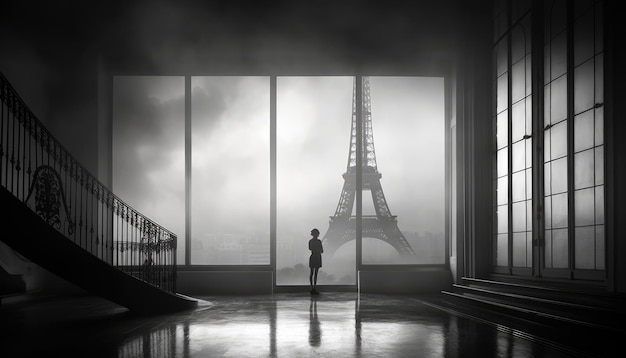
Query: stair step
(597,299)
(546,311)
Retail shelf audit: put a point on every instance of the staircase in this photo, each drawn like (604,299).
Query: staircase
(58,215)
(583,323)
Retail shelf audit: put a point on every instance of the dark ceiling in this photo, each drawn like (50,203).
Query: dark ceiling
(209,37)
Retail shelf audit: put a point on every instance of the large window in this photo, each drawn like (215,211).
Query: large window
(566,132)
(195,154)
(148,149)
(230,171)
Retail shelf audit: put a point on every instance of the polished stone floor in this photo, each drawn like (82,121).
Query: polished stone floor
(280,325)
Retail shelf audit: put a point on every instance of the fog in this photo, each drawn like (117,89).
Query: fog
(230,163)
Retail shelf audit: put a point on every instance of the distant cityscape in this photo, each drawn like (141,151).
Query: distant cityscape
(292,255)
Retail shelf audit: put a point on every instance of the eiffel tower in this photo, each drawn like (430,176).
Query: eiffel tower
(382,226)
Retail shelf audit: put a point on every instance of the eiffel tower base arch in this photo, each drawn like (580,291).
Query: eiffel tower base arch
(342,230)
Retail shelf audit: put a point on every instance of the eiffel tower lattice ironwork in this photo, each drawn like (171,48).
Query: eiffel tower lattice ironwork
(382,226)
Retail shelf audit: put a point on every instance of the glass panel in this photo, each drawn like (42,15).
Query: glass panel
(583,131)
(599,204)
(547,253)
(584,204)
(559,211)
(518,81)
(503,93)
(529,115)
(529,183)
(519,249)
(503,190)
(519,216)
(548,210)
(584,248)
(599,78)
(583,87)
(529,153)
(503,162)
(583,37)
(600,247)
(408,124)
(559,175)
(558,100)
(547,94)
(502,250)
(558,55)
(518,43)
(230,181)
(519,186)
(528,73)
(519,156)
(560,249)
(558,140)
(583,169)
(518,125)
(502,129)
(599,126)
(599,165)
(502,213)
(501,60)
(547,181)
(148,147)
(312,135)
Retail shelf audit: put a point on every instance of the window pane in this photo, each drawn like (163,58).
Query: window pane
(503,190)
(558,54)
(230,181)
(600,247)
(599,165)
(519,186)
(519,249)
(518,125)
(408,125)
(502,250)
(502,130)
(519,156)
(584,247)
(560,249)
(519,216)
(583,131)
(599,204)
(559,211)
(584,207)
(518,81)
(558,140)
(583,38)
(559,176)
(148,160)
(558,100)
(503,93)
(312,138)
(583,87)
(502,215)
(502,162)
(583,169)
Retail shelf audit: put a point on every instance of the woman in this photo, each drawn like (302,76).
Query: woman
(315,261)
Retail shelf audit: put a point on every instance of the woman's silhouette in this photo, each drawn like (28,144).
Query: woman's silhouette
(315,261)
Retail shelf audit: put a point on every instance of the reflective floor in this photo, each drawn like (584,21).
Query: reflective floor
(279,325)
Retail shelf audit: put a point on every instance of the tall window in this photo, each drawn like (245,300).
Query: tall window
(148,149)
(570,212)
(230,170)
(194,154)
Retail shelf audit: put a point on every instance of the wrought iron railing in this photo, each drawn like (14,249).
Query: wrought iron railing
(39,171)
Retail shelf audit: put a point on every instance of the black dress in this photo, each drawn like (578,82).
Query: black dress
(315,245)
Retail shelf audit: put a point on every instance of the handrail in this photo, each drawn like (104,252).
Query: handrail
(40,172)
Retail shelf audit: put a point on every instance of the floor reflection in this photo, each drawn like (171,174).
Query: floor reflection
(331,324)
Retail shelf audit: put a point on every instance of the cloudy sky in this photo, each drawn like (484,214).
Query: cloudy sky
(230,151)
